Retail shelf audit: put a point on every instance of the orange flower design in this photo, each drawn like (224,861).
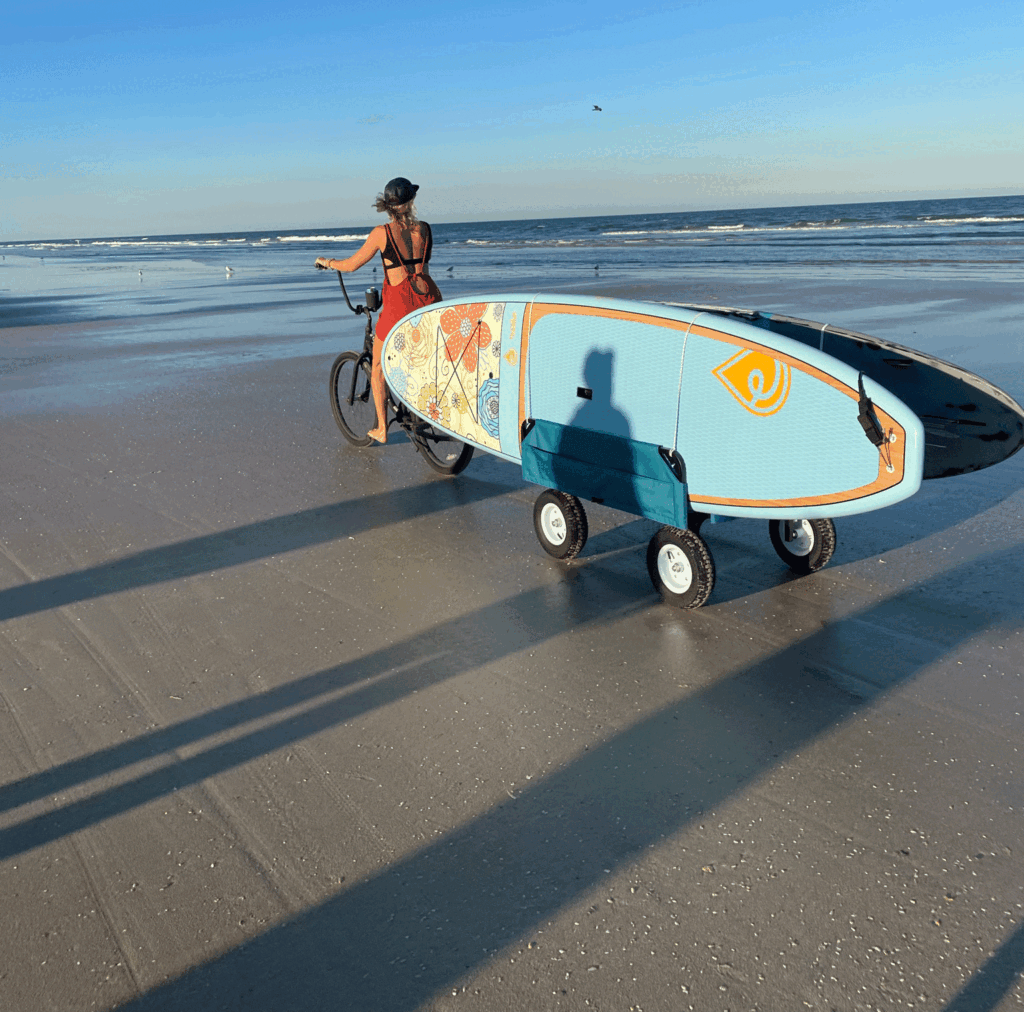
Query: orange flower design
(416,347)
(464,332)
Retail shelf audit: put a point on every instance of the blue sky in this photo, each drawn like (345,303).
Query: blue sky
(122,118)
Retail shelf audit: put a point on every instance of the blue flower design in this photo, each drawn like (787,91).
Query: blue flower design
(399,382)
(499,308)
(487,404)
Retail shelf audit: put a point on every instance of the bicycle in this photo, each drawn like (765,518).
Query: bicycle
(353,408)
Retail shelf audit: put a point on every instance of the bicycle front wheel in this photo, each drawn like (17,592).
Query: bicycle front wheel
(443,453)
(352,397)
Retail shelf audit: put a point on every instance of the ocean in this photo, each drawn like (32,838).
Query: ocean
(941,275)
(979,237)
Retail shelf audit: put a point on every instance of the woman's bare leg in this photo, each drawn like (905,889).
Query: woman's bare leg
(377,385)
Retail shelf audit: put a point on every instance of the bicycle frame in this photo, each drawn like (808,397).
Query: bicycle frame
(448,460)
(400,414)
(367,338)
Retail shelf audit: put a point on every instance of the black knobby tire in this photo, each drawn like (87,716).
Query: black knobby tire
(813,546)
(443,453)
(681,567)
(561,524)
(354,419)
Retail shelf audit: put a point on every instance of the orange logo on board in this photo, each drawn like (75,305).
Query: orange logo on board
(759,382)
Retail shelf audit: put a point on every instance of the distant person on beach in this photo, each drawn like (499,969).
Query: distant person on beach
(404,244)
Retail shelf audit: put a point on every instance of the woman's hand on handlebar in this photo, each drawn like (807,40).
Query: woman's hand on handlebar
(323,263)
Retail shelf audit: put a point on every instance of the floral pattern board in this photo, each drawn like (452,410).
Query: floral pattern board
(445,364)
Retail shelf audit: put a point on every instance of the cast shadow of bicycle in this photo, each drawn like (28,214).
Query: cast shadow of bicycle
(394,941)
(246,543)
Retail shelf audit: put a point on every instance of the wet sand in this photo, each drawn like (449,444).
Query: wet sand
(288,725)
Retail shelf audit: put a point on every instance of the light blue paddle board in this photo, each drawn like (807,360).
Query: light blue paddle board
(618,401)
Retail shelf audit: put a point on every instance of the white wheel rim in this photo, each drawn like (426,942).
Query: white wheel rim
(674,569)
(803,537)
(552,523)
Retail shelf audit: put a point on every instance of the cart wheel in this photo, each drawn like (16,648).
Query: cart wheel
(560,523)
(681,567)
(804,545)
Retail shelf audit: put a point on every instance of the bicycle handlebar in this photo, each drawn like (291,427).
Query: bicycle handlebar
(359,308)
(341,281)
(355,309)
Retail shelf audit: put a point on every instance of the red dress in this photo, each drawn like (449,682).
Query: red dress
(404,297)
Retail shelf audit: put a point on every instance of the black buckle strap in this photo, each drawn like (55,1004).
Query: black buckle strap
(675,463)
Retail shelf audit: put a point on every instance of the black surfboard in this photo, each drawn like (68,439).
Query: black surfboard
(969,423)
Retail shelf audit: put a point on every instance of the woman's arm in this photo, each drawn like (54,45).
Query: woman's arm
(374,244)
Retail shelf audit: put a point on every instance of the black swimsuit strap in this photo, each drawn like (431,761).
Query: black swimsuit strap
(389,252)
(429,246)
(392,250)
(397,260)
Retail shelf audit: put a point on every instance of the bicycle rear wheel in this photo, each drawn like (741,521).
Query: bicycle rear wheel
(443,453)
(352,397)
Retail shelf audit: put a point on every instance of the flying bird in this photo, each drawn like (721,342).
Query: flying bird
(597,108)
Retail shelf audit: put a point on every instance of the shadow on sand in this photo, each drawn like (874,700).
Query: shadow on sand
(373,681)
(990,985)
(243,544)
(395,940)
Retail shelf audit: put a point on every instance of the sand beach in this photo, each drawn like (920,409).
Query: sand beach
(286,725)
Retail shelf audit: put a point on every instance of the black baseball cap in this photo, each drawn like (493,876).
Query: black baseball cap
(399,191)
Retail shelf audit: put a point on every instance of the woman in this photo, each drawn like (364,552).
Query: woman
(404,244)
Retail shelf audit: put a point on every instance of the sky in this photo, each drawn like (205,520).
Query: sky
(131,119)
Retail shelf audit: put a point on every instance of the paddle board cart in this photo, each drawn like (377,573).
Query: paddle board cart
(689,415)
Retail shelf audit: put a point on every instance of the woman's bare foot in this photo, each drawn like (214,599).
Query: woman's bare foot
(378,434)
